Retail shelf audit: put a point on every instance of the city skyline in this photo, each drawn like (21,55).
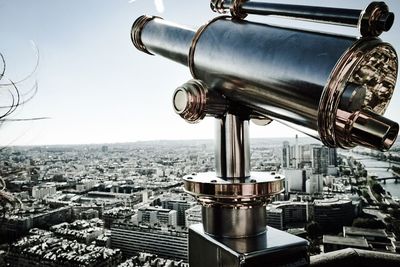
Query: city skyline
(99,169)
(126,200)
(94,85)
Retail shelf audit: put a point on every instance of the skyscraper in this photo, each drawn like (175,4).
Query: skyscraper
(286,155)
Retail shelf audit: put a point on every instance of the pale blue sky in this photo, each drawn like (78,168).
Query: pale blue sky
(97,87)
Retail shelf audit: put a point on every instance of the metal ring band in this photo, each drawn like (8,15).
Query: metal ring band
(231,203)
(217,6)
(236,9)
(195,39)
(330,98)
(367,24)
(136,32)
(331,95)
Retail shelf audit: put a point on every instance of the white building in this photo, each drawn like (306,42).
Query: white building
(39,192)
(314,184)
(153,215)
(295,180)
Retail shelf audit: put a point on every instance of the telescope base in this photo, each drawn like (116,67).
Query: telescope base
(273,248)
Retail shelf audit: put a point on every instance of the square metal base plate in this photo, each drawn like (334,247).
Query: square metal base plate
(274,248)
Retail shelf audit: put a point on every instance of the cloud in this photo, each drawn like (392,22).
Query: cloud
(158,3)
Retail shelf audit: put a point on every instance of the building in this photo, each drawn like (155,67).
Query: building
(82,231)
(315,156)
(104,240)
(123,198)
(315,184)
(86,184)
(180,206)
(288,214)
(147,259)
(132,239)
(43,249)
(193,215)
(286,155)
(15,226)
(295,180)
(39,192)
(154,215)
(362,238)
(320,159)
(275,217)
(332,243)
(378,239)
(333,214)
(332,157)
(118,214)
(89,214)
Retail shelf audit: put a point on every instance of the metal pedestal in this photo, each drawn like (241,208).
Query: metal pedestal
(271,249)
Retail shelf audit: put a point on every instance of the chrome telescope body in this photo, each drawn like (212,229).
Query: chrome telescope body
(334,88)
(331,87)
(371,21)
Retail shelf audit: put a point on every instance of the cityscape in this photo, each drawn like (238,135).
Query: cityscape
(124,204)
(99,168)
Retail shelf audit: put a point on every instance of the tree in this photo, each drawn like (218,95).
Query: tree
(313,230)
(378,189)
(395,213)
(314,248)
(11,98)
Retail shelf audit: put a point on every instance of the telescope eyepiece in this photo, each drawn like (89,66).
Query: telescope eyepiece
(386,21)
(371,130)
(194,100)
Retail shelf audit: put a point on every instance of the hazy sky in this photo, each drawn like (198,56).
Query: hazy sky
(97,87)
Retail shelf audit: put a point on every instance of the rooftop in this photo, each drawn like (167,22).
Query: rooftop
(331,201)
(347,230)
(346,241)
(355,257)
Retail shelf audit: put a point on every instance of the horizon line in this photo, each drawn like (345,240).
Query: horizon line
(155,140)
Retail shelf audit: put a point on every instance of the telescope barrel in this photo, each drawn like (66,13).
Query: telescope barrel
(372,21)
(303,79)
(339,16)
(162,38)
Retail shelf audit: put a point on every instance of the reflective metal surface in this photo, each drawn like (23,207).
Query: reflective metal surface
(206,186)
(302,87)
(369,63)
(234,222)
(193,101)
(375,19)
(273,248)
(332,87)
(367,129)
(269,76)
(232,145)
(372,21)
(293,76)
(157,36)
(233,201)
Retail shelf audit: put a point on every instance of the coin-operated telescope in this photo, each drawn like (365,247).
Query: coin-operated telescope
(332,87)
